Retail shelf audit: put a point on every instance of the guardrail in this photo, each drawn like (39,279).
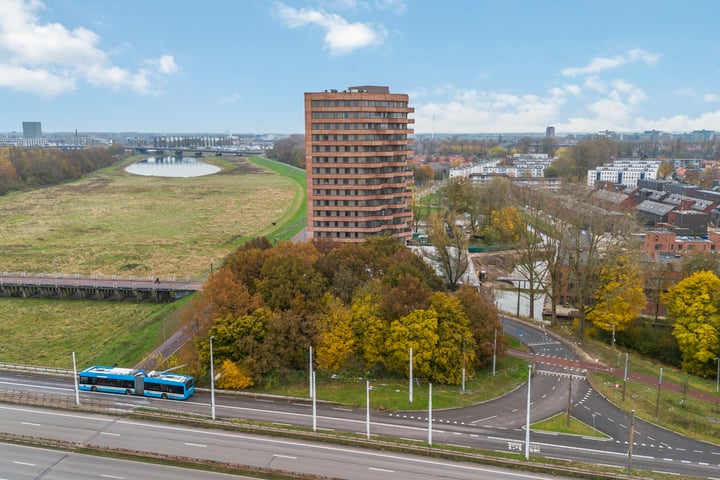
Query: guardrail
(103,278)
(60,372)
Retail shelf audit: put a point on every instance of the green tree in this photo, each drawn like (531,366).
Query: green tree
(694,305)
(498,152)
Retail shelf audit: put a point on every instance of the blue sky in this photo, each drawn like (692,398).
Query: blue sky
(470,66)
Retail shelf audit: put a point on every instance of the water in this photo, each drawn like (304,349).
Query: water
(172,167)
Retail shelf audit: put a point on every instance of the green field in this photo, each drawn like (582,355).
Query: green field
(114,223)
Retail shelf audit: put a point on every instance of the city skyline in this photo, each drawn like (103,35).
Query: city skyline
(468,67)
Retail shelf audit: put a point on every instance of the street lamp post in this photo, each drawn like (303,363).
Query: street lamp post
(527,418)
(613,335)
(717,378)
(212,380)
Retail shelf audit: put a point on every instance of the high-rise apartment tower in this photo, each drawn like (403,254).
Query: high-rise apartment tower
(356,161)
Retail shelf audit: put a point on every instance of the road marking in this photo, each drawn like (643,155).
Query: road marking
(342,409)
(30,424)
(112,476)
(110,434)
(483,419)
(195,445)
(264,400)
(24,463)
(381,470)
(289,457)
(668,459)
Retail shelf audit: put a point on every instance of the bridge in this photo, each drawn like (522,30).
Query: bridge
(95,287)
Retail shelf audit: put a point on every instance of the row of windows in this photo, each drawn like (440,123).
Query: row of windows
(359,126)
(359,171)
(359,214)
(369,224)
(378,137)
(361,160)
(356,192)
(359,203)
(359,115)
(108,382)
(359,103)
(690,246)
(359,148)
(358,181)
(163,387)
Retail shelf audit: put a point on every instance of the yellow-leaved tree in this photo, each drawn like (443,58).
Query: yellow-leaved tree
(619,296)
(694,305)
(336,339)
(233,376)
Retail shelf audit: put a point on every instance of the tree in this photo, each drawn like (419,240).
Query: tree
(455,346)
(417,330)
(694,305)
(484,323)
(449,249)
(335,340)
(531,265)
(371,331)
(619,297)
(666,169)
(233,377)
(498,152)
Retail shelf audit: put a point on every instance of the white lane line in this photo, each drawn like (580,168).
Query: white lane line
(342,409)
(195,445)
(36,386)
(110,434)
(30,424)
(289,457)
(483,419)
(115,477)
(381,470)
(264,400)
(24,463)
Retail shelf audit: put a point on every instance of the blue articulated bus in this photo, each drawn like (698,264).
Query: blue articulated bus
(130,381)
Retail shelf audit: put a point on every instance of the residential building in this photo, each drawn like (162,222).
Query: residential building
(357,150)
(624,171)
(664,242)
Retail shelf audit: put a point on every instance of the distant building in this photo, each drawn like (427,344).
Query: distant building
(550,132)
(356,155)
(32,130)
(624,171)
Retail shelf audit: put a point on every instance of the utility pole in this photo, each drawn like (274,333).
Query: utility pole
(630,443)
(657,402)
(625,376)
(569,405)
(527,418)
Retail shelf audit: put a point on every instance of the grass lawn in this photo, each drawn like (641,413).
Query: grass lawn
(46,332)
(393,394)
(558,424)
(115,223)
(112,222)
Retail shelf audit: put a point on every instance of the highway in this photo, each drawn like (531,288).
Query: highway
(495,425)
(18,463)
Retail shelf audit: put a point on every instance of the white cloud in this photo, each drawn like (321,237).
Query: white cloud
(711,97)
(341,36)
(600,64)
(49,59)
(471,111)
(232,99)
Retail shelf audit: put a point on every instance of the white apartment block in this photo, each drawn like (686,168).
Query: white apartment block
(523,166)
(625,171)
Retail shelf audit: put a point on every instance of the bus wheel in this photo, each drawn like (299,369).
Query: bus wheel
(164,396)
(127,391)
(93,388)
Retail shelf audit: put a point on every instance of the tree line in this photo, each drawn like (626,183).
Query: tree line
(360,306)
(23,168)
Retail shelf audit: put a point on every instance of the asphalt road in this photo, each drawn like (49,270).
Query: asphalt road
(495,425)
(19,463)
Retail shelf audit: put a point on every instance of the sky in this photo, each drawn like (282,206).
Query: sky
(469,66)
